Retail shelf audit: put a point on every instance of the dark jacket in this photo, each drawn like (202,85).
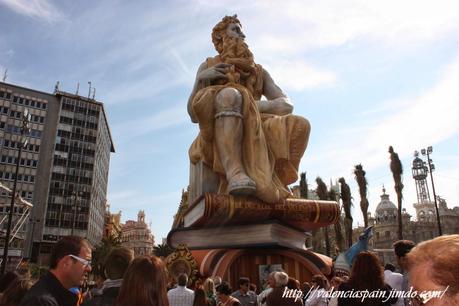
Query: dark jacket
(107,298)
(48,291)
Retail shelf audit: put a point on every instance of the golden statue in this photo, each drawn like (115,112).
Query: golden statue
(254,145)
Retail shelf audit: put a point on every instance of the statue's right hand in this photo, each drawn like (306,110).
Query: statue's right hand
(214,73)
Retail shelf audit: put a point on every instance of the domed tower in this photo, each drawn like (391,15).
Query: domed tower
(385,222)
(425,208)
(420,171)
(386,211)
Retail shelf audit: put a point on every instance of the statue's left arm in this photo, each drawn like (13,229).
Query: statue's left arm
(277,102)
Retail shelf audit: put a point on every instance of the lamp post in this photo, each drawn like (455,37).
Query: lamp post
(30,246)
(22,143)
(427,152)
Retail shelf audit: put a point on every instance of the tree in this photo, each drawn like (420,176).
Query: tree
(339,239)
(397,170)
(101,251)
(303,186)
(322,193)
(162,250)
(362,182)
(346,197)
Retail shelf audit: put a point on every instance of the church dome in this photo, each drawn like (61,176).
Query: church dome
(386,210)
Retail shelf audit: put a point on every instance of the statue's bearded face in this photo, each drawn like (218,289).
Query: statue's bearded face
(233,44)
(234,31)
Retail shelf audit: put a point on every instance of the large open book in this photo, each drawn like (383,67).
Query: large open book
(213,210)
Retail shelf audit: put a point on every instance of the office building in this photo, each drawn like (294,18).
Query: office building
(63,170)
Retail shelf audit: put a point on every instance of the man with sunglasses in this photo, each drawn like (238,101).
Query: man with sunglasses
(70,263)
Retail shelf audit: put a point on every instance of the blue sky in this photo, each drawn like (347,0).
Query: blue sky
(367,74)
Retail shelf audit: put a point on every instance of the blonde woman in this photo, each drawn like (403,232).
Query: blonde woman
(434,266)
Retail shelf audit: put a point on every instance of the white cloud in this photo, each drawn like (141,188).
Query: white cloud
(426,118)
(429,118)
(39,9)
(423,119)
(299,75)
(311,24)
(291,29)
(159,120)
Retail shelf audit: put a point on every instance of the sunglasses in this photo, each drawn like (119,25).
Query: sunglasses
(85,262)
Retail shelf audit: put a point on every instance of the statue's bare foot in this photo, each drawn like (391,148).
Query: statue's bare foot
(241,184)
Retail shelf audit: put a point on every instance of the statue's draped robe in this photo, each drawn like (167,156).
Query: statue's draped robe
(272,146)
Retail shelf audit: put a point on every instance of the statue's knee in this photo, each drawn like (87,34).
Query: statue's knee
(302,125)
(228,102)
(305,124)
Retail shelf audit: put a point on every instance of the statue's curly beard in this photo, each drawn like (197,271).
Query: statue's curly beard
(236,52)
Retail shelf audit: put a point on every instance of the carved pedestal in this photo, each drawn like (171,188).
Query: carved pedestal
(233,237)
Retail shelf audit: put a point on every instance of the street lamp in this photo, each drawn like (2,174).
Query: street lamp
(427,152)
(33,221)
(25,129)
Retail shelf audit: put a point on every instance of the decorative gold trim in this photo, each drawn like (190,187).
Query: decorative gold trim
(182,261)
(232,207)
(317,212)
(208,205)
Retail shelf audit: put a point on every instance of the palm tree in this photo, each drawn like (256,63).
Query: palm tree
(362,182)
(303,186)
(346,197)
(322,193)
(162,250)
(337,226)
(397,170)
(101,251)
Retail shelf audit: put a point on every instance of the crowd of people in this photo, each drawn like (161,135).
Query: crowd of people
(431,266)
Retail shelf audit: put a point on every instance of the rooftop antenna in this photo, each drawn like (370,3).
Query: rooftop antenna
(5,75)
(89,93)
(94,93)
(56,87)
(78,88)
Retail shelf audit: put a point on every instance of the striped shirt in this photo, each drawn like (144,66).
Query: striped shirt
(180,296)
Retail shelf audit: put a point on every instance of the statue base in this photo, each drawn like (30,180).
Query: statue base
(269,234)
(211,209)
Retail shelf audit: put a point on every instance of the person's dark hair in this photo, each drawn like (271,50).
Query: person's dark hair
(402,247)
(389,267)
(367,272)
(224,288)
(7,279)
(253,287)
(293,283)
(14,293)
(305,286)
(144,283)
(320,280)
(182,279)
(69,245)
(117,262)
(243,281)
(200,298)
